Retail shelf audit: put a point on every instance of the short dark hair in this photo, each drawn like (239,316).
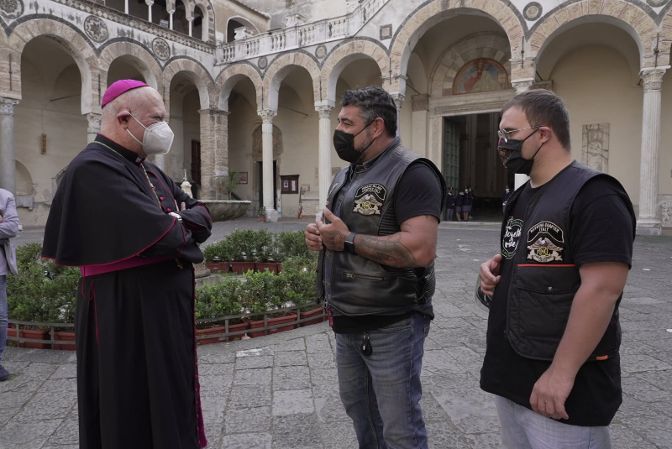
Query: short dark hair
(374,102)
(544,108)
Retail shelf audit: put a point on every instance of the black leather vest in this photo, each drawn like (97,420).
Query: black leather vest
(544,277)
(353,285)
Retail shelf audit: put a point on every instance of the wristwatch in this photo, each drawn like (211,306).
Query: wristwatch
(349,243)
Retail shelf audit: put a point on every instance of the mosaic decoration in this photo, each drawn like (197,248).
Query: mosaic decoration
(161,49)
(11,9)
(656,3)
(480,75)
(321,51)
(262,62)
(95,28)
(595,146)
(532,11)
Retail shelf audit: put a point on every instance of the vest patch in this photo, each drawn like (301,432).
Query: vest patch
(545,242)
(512,233)
(369,199)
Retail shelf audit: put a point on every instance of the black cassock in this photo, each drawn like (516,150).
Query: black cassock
(137,377)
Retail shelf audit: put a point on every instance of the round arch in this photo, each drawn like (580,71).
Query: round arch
(228,78)
(435,11)
(280,68)
(626,16)
(72,41)
(344,54)
(144,61)
(666,36)
(208,24)
(242,21)
(196,73)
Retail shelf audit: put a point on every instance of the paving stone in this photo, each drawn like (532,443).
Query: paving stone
(290,358)
(292,402)
(291,378)
(258,376)
(247,441)
(244,420)
(254,362)
(27,435)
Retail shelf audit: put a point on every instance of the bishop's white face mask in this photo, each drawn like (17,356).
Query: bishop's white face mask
(157,139)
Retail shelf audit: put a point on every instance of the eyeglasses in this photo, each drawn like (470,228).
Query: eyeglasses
(505,134)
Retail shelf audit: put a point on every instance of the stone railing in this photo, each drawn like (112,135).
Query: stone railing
(137,23)
(299,36)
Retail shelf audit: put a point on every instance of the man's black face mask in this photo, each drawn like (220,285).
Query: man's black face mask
(510,151)
(344,143)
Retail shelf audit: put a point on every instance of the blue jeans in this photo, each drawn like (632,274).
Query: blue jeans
(381,392)
(524,429)
(3,314)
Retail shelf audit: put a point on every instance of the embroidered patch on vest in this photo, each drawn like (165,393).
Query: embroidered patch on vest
(512,232)
(545,240)
(369,199)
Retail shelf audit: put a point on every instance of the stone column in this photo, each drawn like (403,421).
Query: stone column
(267,158)
(324,155)
(7,150)
(149,4)
(648,222)
(208,147)
(398,101)
(93,125)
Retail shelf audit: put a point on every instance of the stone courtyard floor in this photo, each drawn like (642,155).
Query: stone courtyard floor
(280,391)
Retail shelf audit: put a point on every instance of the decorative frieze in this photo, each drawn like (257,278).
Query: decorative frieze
(96,29)
(11,9)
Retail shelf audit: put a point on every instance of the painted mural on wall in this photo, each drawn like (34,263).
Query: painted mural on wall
(595,146)
(480,75)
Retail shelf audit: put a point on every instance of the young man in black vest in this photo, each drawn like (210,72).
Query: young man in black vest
(377,243)
(552,356)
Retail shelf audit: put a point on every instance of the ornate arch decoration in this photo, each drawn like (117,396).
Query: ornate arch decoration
(666,36)
(196,73)
(280,68)
(476,47)
(144,61)
(72,40)
(344,54)
(230,76)
(435,11)
(627,16)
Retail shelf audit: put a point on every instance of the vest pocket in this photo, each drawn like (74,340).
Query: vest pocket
(539,303)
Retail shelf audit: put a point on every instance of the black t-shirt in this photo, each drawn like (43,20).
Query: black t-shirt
(601,230)
(418,192)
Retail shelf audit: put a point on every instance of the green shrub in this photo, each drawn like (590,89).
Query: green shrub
(218,300)
(42,291)
(291,244)
(219,251)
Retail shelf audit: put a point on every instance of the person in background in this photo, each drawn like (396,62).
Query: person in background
(552,348)
(9,228)
(134,234)
(377,246)
(505,197)
(450,204)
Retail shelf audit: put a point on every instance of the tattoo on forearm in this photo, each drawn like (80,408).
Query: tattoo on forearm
(385,251)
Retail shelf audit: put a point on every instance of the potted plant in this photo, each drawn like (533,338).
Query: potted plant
(244,244)
(218,256)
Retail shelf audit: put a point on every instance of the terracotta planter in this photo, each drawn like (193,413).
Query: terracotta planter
(218,267)
(242,267)
(236,328)
(273,321)
(273,267)
(34,334)
(64,336)
(210,335)
(313,316)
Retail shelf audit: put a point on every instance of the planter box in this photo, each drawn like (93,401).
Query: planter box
(235,328)
(313,316)
(210,335)
(218,267)
(273,267)
(33,334)
(64,336)
(242,267)
(263,326)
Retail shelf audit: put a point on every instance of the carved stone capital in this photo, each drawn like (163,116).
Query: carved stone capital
(324,111)
(652,79)
(521,85)
(7,106)
(267,115)
(93,120)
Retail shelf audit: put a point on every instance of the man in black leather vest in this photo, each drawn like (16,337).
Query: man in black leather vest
(552,356)
(377,243)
